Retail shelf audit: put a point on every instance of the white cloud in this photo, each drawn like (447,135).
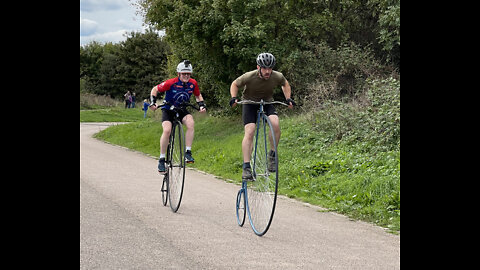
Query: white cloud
(107,20)
(92,5)
(87,27)
(114,37)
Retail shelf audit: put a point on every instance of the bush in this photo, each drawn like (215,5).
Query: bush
(384,111)
(322,73)
(373,118)
(90,101)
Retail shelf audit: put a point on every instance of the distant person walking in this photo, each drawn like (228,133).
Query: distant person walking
(128,99)
(133,100)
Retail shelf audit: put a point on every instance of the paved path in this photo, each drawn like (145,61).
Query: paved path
(124,226)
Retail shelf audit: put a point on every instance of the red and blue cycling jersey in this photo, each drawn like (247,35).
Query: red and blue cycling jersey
(177,92)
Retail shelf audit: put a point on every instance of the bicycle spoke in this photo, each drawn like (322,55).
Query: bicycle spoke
(262,193)
(177,168)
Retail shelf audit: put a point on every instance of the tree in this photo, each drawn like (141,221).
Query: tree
(222,38)
(136,64)
(143,62)
(91,58)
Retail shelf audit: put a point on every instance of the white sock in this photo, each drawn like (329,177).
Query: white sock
(162,155)
(188,148)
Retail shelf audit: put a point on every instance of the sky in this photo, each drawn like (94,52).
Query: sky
(108,20)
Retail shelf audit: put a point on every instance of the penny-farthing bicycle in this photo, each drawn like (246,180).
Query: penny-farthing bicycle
(257,198)
(174,178)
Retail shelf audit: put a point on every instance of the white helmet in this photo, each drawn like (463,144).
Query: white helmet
(185,67)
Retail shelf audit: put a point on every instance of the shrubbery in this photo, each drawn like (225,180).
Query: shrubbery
(321,42)
(92,101)
(373,118)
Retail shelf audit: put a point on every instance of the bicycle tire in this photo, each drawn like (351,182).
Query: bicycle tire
(165,190)
(176,168)
(262,192)
(241,211)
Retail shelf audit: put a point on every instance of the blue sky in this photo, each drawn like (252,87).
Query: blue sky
(108,20)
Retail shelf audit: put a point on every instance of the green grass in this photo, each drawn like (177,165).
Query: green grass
(143,136)
(353,177)
(218,148)
(112,114)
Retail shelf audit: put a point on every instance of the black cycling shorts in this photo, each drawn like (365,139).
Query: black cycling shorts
(250,111)
(168,115)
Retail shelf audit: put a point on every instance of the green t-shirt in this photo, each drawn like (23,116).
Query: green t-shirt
(256,88)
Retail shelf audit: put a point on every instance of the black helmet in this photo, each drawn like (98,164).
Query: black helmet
(266,60)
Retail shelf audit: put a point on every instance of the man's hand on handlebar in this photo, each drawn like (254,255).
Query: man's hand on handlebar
(233,102)
(290,103)
(202,106)
(153,105)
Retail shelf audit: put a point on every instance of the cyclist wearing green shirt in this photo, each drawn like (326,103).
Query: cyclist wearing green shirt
(257,85)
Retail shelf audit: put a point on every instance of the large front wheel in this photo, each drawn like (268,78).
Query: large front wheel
(176,168)
(262,192)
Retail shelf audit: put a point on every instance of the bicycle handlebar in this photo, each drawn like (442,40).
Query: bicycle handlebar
(261,102)
(173,107)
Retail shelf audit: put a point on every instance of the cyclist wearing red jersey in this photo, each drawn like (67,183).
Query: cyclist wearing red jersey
(177,91)
(257,85)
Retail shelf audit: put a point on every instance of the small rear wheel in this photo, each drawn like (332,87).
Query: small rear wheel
(241,207)
(165,190)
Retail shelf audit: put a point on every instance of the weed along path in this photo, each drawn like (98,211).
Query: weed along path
(124,225)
